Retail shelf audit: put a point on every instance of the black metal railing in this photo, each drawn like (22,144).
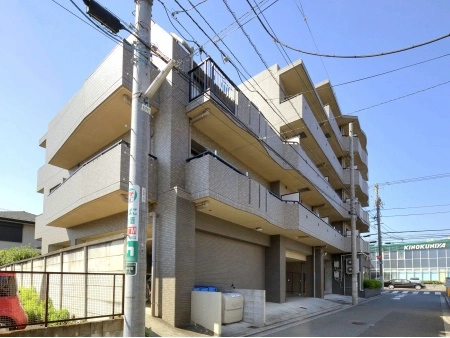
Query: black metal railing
(57,298)
(206,78)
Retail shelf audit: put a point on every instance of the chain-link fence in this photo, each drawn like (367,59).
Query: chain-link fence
(57,298)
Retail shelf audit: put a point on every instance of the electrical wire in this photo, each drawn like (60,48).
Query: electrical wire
(416,179)
(298,3)
(267,145)
(281,88)
(346,56)
(419,207)
(135,35)
(195,6)
(400,97)
(388,72)
(425,213)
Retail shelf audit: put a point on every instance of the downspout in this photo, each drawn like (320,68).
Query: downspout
(152,291)
(314,271)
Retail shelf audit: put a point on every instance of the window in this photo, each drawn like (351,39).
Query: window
(11,232)
(386,255)
(400,254)
(433,253)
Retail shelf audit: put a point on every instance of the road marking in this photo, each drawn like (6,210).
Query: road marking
(405,292)
(415,293)
(437,293)
(426,293)
(395,291)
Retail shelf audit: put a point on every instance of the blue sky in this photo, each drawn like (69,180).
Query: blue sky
(48,53)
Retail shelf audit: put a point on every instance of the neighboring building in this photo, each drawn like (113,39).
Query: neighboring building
(428,261)
(236,202)
(17,229)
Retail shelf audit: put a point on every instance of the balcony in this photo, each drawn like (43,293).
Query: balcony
(223,191)
(332,132)
(361,186)
(237,126)
(207,78)
(361,158)
(362,222)
(312,137)
(99,188)
(361,245)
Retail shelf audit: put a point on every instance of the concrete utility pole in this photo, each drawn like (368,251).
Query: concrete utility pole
(136,267)
(380,245)
(355,269)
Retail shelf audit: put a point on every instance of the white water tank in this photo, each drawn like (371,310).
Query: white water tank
(232,307)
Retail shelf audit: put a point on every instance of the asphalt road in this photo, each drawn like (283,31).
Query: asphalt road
(393,314)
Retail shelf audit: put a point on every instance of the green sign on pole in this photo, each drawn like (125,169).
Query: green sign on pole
(132,231)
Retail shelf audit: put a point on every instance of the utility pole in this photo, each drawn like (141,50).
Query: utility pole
(136,267)
(380,245)
(355,266)
(137,214)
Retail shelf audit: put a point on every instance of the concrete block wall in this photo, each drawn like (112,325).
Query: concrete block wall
(254,306)
(82,295)
(104,328)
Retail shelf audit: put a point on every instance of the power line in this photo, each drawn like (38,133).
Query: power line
(195,6)
(388,72)
(419,207)
(266,144)
(398,98)
(346,56)
(425,213)
(401,232)
(302,11)
(417,179)
(276,81)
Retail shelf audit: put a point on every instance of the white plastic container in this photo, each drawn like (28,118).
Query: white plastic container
(232,307)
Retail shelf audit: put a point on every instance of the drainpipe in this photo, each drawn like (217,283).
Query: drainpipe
(314,271)
(152,295)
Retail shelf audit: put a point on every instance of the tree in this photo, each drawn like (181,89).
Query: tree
(17,253)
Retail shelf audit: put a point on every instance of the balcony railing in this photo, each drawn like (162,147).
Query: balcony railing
(207,77)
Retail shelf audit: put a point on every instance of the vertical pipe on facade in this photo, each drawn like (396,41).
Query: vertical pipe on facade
(353,220)
(153,270)
(314,271)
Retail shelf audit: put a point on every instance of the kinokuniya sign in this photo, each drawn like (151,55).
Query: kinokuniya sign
(425,246)
(441,244)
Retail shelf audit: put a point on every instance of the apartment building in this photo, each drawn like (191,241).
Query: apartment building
(245,194)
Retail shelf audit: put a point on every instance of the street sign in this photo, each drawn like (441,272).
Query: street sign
(130,269)
(133,226)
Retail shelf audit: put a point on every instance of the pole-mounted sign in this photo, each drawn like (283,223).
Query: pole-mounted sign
(132,231)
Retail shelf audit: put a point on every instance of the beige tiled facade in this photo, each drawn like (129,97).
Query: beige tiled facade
(243,197)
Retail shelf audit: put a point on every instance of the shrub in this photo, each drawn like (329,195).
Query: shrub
(35,307)
(431,282)
(17,253)
(372,284)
